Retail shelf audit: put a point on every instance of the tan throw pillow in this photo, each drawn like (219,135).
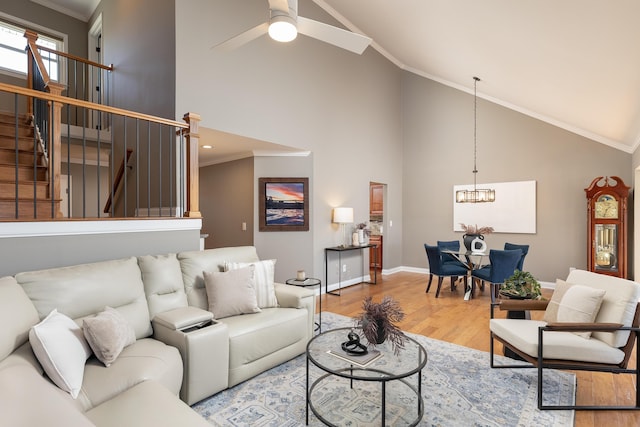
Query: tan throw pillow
(108,333)
(62,351)
(551,313)
(231,292)
(263,280)
(580,304)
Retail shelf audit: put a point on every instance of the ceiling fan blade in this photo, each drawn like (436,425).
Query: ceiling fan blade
(348,40)
(243,38)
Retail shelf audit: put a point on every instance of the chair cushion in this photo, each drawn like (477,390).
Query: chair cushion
(618,305)
(523,334)
(580,304)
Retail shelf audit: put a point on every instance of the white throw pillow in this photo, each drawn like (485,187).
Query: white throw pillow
(108,333)
(62,350)
(231,292)
(263,280)
(551,313)
(580,304)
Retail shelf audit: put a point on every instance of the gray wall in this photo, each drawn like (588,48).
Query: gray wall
(438,135)
(226,201)
(343,107)
(35,253)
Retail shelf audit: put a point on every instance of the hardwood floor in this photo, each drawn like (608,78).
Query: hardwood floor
(450,318)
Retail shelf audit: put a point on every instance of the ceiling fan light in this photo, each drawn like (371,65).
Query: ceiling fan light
(282,28)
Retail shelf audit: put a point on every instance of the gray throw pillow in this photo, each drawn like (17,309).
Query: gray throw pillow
(108,333)
(231,292)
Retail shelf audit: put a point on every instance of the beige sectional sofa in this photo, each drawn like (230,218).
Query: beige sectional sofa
(179,348)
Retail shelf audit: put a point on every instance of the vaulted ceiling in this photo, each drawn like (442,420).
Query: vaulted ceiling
(572,63)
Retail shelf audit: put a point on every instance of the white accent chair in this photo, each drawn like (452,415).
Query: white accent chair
(611,334)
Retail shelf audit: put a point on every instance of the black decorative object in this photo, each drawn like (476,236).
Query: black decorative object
(378,322)
(353,346)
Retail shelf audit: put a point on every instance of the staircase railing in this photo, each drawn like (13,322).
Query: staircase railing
(165,167)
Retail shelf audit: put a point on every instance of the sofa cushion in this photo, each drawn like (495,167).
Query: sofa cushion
(146,404)
(232,292)
(194,263)
(108,333)
(62,351)
(83,290)
(580,304)
(17,316)
(28,399)
(263,279)
(162,280)
(523,334)
(145,359)
(618,305)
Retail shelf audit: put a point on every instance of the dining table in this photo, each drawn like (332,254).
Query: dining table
(470,259)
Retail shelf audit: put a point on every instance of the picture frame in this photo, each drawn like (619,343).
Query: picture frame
(283,204)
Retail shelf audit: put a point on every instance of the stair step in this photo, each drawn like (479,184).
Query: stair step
(10,118)
(25,209)
(10,130)
(25,189)
(25,143)
(8,156)
(25,173)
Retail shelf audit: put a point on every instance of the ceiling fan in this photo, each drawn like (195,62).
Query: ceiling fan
(284,25)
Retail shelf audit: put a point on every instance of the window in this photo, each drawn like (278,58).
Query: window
(13,58)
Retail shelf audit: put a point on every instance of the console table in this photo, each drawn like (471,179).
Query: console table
(340,250)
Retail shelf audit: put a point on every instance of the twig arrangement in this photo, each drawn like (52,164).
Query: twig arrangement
(385,315)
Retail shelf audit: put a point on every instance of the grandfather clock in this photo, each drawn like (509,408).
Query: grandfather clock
(607,216)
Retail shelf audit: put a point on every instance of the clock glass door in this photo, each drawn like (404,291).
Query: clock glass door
(606,247)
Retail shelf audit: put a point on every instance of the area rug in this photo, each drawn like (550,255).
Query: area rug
(458,387)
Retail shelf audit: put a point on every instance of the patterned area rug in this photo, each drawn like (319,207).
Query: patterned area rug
(458,387)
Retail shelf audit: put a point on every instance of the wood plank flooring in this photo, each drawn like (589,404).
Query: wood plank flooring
(450,318)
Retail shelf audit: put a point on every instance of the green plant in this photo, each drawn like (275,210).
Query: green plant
(521,284)
(474,229)
(378,321)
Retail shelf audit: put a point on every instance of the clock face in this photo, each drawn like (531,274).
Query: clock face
(606,207)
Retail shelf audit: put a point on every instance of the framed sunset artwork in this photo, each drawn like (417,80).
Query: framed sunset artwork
(283,204)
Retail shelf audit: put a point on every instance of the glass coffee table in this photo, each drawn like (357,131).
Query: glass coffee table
(339,384)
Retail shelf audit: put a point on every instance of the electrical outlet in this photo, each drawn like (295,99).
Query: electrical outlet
(344,268)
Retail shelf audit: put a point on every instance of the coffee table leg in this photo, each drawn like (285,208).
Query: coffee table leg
(384,402)
(306,407)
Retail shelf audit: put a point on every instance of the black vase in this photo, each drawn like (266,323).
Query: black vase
(468,238)
(381,334)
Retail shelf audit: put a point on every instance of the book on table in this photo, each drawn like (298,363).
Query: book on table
(361,360)
(300,282)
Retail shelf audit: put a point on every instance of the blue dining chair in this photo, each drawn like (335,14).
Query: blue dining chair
(502,264)
(523,248)
(449,245)
(438,268)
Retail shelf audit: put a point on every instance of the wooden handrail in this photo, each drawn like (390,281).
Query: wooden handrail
(33,48)
(118,180)
(90,105)
(76,58)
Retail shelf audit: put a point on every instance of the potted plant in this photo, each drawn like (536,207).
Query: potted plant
(363,231)
(378,321)
(521,285)
(472,232)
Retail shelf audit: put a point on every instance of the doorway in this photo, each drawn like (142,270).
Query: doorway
(377,193)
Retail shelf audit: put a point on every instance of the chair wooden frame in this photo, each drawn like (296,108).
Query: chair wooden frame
(541,363)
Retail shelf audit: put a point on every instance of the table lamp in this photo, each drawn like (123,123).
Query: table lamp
(343,216)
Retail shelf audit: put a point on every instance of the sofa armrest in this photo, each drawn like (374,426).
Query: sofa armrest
(294,296)
(586,327)
(183,317)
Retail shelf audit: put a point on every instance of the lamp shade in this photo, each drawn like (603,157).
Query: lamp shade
(282,28)
(343,215)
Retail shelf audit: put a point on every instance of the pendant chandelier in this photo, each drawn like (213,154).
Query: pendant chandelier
(476,195)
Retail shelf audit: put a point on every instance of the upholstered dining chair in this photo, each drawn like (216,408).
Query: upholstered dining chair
(591,323)
(449,245)
(502,264)
(523,248)
(438,268)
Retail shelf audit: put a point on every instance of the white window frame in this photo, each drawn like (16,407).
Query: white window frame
(57,37)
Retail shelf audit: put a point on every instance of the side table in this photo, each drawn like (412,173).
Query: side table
(307,283)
